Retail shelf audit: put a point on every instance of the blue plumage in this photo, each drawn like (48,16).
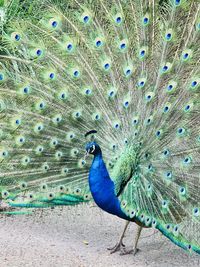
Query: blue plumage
(101,186)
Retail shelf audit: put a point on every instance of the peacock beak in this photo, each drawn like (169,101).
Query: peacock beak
(86,154)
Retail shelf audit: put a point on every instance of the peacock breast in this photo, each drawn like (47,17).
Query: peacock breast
(102,189)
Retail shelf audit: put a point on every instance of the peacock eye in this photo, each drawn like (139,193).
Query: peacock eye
(54,24)
(98,43)
(86,19)
(69,47)
(118,19)
(17,37)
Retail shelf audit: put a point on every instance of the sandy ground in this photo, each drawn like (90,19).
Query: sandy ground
(80,236)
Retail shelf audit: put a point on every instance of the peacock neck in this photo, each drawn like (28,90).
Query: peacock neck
(98,156)
(102,187)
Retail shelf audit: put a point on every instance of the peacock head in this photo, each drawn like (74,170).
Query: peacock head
(93,148)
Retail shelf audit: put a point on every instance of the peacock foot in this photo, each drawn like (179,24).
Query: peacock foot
(118,247)
(132,251)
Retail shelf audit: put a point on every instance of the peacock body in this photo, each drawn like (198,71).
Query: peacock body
(128,70)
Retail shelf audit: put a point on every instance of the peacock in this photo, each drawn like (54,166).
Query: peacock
(99,101)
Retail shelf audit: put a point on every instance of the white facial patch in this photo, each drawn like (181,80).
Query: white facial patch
(93,149)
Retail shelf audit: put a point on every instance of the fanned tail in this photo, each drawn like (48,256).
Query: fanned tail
(128,69)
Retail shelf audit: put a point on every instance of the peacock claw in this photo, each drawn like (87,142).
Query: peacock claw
(132,251)
(119,246)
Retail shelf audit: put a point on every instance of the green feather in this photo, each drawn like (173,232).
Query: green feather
(128,69)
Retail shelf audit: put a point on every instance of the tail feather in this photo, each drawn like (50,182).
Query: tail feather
(128,69)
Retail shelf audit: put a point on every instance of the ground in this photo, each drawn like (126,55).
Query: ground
(79,236)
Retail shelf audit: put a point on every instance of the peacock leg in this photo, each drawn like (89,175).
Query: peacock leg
(120,245)
(135,249)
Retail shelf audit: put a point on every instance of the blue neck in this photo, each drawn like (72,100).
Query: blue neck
(98,157)
(102,187)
